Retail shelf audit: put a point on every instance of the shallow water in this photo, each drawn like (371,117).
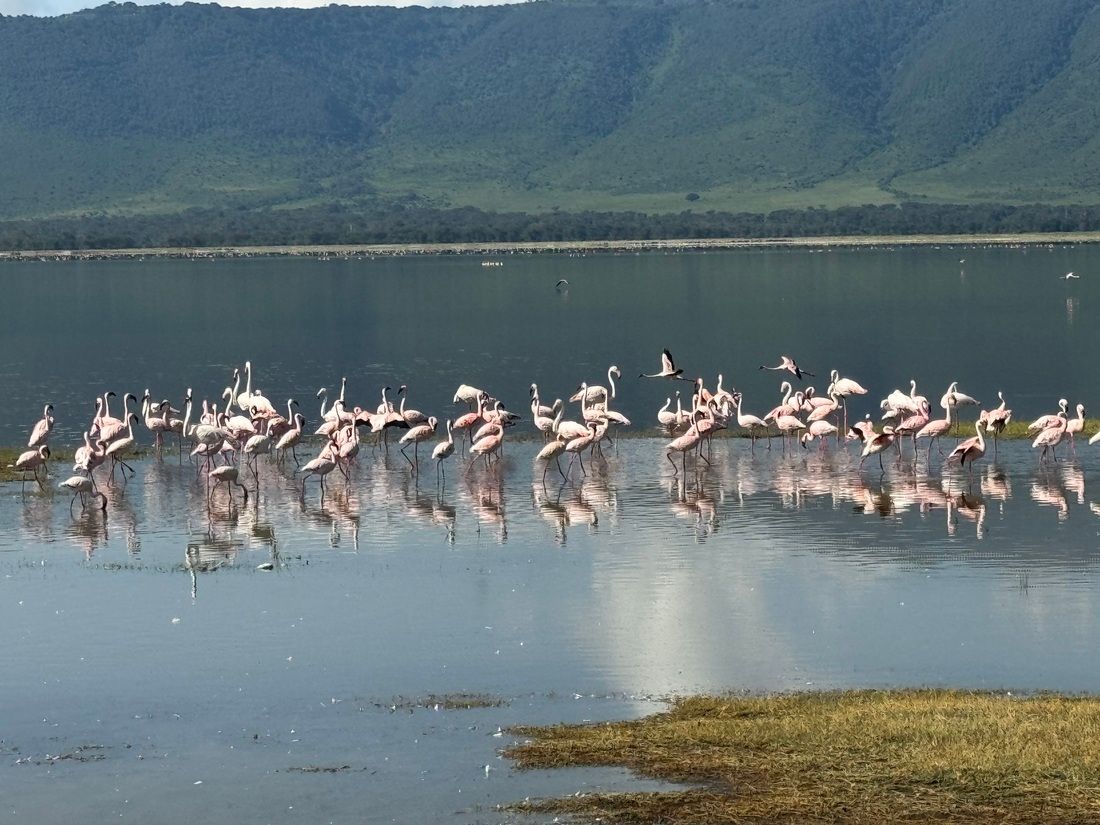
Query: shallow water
(155,637)
(151,653)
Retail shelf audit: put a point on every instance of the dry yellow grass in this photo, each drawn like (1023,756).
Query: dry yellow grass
(856,757)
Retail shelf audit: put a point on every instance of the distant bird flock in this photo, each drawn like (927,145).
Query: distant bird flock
(228,437)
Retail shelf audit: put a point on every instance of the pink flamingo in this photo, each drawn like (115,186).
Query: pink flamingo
(553,450)
(787,363)
(682,444)
(443,450)
(41,432)
(996,420)
(750,423)
(290,439)
(321,466)
(1051,420)
(1076,425)
(486,446)
(875,445)
(578,445)
(1050,438)
(668,369)
(421,432)
(932,430)
(30,461)
(972,449)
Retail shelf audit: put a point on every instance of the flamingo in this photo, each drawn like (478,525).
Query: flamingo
(544,421)
(750,423)
(229,476)
(41,432)
(537,407)
(469,395)
(578,445)
(665,417)
(1052,420)
(487,445)
(120,445)
(1050,438)
(818,429)
(444,449)
(321,466)
(597,394)
(82,486)
(843,388)
(972,448)
(875,445)
(787,363)
(683,444)
(421,432)
(668,369)
(30,461)
(87,458)
(1076,425)
(932,430)
(996,419)
(468,420)
(552,450)
(290,439)
(411,417)
(112,428)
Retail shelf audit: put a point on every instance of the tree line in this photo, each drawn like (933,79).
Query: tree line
(338,225)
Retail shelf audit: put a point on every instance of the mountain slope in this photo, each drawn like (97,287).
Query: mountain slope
(569,104)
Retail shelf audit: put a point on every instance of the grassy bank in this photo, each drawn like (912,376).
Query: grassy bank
(853,757)
(571,247)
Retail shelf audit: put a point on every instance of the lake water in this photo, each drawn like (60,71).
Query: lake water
(153,672)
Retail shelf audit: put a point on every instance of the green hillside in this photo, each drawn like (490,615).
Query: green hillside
(752,105)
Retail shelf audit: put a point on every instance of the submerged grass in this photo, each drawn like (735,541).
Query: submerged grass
(853,757)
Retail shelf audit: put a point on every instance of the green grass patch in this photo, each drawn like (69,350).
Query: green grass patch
(855,757)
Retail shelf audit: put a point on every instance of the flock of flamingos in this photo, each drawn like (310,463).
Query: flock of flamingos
(228,442)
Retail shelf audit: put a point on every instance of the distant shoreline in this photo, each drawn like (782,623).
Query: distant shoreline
(557,247)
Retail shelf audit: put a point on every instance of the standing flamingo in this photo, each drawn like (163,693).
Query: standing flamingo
(972,449)
(41,432)
(443,450)
(30,461)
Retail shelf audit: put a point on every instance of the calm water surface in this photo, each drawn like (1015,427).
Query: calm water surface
(177,681)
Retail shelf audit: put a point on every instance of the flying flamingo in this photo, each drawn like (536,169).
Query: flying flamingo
(668,369)
(787,363)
